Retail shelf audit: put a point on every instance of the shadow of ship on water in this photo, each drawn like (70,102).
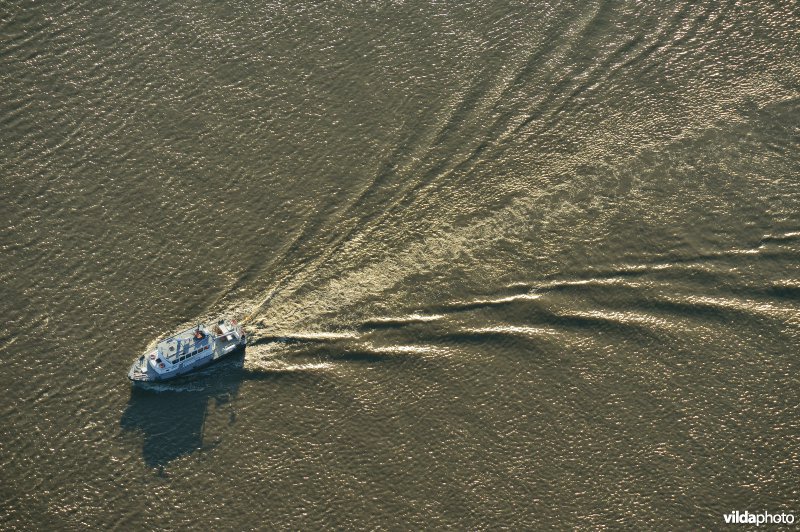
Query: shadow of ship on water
(172,415)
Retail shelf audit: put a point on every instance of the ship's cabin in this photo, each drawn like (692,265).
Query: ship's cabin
(185,345)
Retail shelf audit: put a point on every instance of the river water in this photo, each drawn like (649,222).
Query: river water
(503,264)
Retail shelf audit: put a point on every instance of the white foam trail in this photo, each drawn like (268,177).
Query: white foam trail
(627,317)
(744,251)
(512,329)
(277,365)
(282,338)
(508,299)
(582,282)
(411,318)
(405,349)
(791,234)
(322,335)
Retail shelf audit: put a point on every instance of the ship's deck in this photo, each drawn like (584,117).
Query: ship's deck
(183,343)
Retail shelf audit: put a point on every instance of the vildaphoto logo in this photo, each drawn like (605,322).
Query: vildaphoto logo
(764,518)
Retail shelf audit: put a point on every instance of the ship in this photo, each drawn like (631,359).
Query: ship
(188,351)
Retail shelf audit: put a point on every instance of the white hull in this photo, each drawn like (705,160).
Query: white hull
(188,351)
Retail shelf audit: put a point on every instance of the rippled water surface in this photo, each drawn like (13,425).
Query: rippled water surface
(503,264)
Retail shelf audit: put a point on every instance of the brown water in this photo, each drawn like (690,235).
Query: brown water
(505,265)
